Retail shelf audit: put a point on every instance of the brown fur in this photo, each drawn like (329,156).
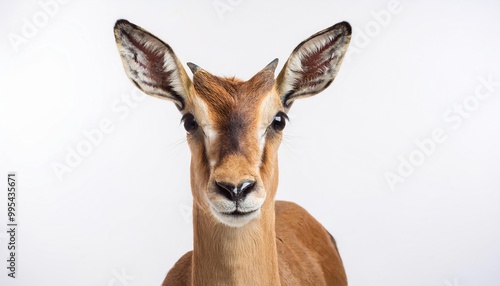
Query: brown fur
(306,253)
(285,245)
(235,141)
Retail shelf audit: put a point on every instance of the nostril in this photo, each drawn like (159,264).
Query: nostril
(227,190)
(245,188)
(233,193)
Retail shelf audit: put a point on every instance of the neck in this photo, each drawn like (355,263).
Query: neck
(224,255)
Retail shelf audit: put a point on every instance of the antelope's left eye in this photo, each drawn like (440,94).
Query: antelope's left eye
(190,123)
(279,121)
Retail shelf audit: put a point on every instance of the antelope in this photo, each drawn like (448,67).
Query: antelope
(242,236)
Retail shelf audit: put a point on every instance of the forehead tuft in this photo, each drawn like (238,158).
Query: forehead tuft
(226,93)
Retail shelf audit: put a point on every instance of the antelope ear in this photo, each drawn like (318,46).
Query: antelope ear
(151,64)
(313,64)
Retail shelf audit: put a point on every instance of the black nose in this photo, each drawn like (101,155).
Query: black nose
(234,193)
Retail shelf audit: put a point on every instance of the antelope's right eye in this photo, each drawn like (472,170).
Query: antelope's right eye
(190,123)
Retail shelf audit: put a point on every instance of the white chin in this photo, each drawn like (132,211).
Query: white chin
(235,220)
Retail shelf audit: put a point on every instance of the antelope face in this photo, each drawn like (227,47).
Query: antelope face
(233,127)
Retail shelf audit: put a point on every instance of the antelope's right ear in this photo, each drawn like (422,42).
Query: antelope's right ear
(151,64)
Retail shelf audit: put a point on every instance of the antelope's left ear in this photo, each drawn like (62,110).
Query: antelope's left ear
(313,64)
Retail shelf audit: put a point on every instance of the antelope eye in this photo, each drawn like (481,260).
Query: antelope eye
(190,123)
(279,121)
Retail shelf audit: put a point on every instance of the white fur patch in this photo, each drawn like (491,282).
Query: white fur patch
(222,208)
(203,118)
(267,112)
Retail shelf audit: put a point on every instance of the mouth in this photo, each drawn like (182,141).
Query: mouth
(236,218)
(238,213)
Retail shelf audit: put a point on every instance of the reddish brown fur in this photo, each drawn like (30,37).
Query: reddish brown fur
(242,237)
(304,253)
(233,104)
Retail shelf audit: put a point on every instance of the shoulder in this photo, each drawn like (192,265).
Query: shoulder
(292,215)
(305,246)
(292,219)
(180,274)
(286,207)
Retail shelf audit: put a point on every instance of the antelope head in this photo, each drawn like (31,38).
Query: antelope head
(234,127)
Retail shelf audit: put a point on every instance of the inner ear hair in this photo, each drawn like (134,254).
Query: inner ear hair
(151,64)
(313,64)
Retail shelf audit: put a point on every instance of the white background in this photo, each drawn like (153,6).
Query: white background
(121,215)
